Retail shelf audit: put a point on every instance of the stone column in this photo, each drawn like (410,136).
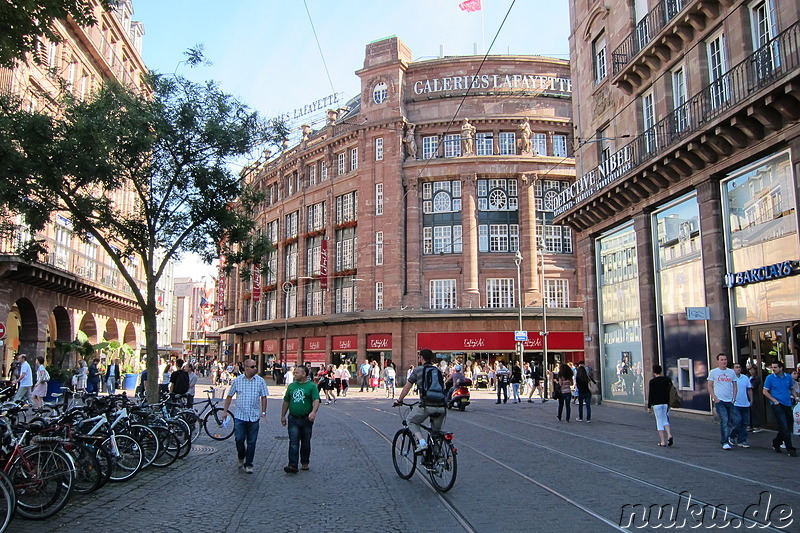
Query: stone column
(531,274)
(648,315)
(712,234)
(587,279)
(413,247)
(470,296)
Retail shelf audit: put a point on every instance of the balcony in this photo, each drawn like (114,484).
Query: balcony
(756,97)
(659,37)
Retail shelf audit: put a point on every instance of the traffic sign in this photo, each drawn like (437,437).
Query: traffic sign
(2,331)
(520,336)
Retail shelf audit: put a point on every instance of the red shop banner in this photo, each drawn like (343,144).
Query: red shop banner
(323,265)
(314,344)
(379,341)
(219,309)
(247,348)
(291,345)
(257,282)
(256,347)
(314,358)
(488,341)
(345,343)
(270,346)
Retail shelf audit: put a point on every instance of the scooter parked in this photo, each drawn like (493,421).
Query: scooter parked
(459,397)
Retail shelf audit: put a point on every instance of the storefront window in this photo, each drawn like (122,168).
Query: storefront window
(759,204)
(681,284)
(620,329)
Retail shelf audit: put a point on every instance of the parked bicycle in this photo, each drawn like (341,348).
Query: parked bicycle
(439,459)
(212,421)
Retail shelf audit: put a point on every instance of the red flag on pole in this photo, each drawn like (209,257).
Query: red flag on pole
(470,5)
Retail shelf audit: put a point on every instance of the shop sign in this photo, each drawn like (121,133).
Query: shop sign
(488,341)
(547,85)
(323,265)
(594,181)
(257,282)
(379,341)
(270,346)
(219,310)
(314,344)
(314,358)
(345,343)
(765,273)
(290,345)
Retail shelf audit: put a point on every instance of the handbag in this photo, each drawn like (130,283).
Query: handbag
(556,393)
(593,388)
(674,397)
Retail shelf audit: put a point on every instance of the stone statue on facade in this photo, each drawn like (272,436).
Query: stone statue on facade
(524,132)
(306,129)
(409,141)
(468,138)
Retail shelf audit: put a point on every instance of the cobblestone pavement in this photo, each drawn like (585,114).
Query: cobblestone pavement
(520,469)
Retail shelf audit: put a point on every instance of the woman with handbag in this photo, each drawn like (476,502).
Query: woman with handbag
(582,381)
(564,384)
(658,403)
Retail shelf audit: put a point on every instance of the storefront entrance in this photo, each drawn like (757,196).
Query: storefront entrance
(760,346)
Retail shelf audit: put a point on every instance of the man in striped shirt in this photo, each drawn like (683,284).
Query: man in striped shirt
(251,405)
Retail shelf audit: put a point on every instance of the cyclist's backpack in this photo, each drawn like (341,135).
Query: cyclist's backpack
(431,389)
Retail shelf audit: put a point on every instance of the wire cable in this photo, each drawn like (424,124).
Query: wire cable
(324,64)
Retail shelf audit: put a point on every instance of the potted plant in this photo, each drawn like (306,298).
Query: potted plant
(59,377)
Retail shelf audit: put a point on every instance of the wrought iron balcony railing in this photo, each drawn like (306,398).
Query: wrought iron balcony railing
(644,32)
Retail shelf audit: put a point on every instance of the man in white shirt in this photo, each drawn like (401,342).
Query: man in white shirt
(741,408)
(722,389)
(25,380)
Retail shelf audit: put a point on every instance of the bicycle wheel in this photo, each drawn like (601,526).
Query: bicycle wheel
(194,422)
(88,472)
(127,459)
(149,441)
(43,481)
(213,425)
(445,466)
(180,429)
(106,461)
(403,456)
(168,447)
(8,502)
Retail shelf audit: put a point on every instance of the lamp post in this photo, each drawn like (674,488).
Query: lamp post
(520,344)
(287,288)
(544,317)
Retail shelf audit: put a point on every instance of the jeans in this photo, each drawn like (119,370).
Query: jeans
(23,393)
(502,388)
(515,392)
(783,414)
(364,382)
(111,385)
(585,397)
(564,399)
(244,431)
(299,439)
(92,387)
(725,413)
(741,421)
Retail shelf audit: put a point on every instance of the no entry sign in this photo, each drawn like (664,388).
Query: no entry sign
(2,331)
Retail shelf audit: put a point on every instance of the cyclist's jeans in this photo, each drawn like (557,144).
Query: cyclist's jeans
(245,432)
(300,428)
(420,414)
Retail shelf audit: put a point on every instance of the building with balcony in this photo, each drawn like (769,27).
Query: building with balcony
(396,223)
(193,325)
(76,286)
(685,204)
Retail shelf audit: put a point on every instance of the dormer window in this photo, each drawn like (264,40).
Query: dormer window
(380,93)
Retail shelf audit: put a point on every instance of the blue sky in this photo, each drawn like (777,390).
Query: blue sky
(264,51)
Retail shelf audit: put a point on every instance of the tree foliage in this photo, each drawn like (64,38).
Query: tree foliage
(170,152)
(24,22)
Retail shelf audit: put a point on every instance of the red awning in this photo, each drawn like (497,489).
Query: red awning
(314,344)
(345,343)
(379,341)
(270,346)
(496,341)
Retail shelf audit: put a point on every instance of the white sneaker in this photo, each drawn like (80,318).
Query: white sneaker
(726,446)
(422,446)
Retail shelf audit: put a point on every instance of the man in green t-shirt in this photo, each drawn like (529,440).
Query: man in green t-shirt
(301,401)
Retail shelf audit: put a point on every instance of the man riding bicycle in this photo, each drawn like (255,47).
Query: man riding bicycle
(432,402)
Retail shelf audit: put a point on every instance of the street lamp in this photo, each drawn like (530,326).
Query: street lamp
(287,287)
(544,316)
(520,344)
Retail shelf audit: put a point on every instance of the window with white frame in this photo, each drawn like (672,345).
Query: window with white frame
(379,149)
(507,143)
(557,239)
(379,296)
(499,292)
(323,171)
(441,196)
(378,199)
(290,310)
(600,58)
(314,255)
(344,294)
(556,292)
(270,305)
(378,248)
(498,195)
(560,145)
(353,158)
(312,174)
(484,143)
(290,261)
(346,207)
(679,96)
(648,122)
(290,224)
(341,160)
(717,67)
(316,217)
(540,144)
(429,146)
(314,298)
(271,264)
(764,28)
(442,239)
(442,294)
(452,145)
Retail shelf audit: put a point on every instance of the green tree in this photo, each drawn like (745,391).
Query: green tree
(171,149)
(23,23)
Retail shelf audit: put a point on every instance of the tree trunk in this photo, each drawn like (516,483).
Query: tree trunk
(151,349)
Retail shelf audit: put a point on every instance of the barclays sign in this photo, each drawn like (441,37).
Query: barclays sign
(765,273)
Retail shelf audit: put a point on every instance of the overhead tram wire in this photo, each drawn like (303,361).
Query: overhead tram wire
(324,64)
